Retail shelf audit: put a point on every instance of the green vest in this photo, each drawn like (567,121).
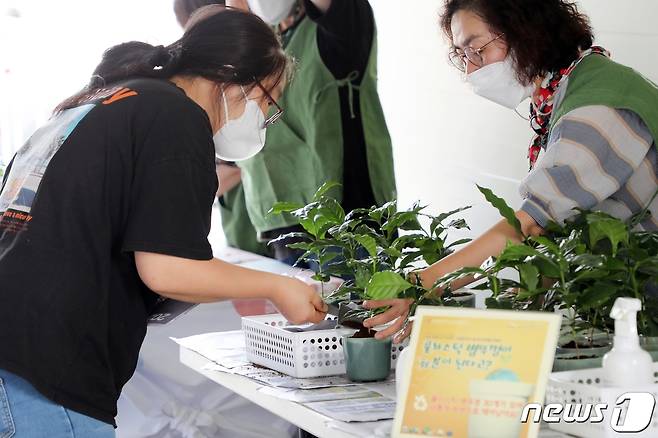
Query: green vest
(597,80)
(304,149)
(237,227)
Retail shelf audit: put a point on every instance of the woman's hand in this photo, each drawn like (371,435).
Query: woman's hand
(398,312)
(298,301)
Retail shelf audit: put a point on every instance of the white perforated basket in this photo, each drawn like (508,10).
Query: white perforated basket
(298,354)
(585,387)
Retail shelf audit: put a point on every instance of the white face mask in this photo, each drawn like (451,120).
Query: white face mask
(241,138)
(271,11)
(498,83)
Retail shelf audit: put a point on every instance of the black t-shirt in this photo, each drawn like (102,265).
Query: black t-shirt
(134,170)
(345,40)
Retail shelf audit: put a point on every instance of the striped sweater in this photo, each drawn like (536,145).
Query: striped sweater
(597,158)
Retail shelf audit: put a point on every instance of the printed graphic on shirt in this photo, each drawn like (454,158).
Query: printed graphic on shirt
(29,166)
(119,94)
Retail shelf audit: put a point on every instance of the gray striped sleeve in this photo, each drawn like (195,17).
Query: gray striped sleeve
(591,155)
(581,132)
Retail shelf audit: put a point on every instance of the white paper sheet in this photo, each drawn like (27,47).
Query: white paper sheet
(273,378)
(321,394)
(224,348)
(356,410)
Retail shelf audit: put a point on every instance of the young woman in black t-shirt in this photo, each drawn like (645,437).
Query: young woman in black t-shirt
(108,205)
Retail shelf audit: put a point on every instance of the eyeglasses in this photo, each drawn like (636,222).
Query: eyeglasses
(474,56)
(271,120)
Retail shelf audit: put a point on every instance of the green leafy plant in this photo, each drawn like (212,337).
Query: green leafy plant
(372,249)
(582,266)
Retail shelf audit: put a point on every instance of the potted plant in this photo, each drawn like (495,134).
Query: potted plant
(373,250)
(579,268)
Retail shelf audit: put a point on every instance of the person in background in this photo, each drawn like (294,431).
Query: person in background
(595,122)
(185,8)
(236,225)
(124,176)
(333,128)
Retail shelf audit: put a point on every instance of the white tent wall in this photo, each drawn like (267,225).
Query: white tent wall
(48,50)
(445,138)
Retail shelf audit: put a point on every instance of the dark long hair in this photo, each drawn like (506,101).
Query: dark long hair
(542,35)
(226,46)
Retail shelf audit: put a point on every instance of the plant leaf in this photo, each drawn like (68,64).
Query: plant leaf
(601,227)
(386,285)
(362,275)
(409,257)
(369,243)
(596,296)
(459,242)
(406,220)
(443,216)
(296,235)
(284,207)
(458,224)
(529,276)
(505,210)
(324,188)
(383,212)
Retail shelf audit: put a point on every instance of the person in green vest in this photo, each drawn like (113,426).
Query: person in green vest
(333,128)
(236,225)
(595,122)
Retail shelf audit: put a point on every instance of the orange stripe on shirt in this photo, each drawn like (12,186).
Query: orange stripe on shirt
(121,94)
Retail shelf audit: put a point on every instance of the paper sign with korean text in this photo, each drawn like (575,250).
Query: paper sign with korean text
(473,372)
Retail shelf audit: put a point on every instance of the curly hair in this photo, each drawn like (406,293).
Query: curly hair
(542,35)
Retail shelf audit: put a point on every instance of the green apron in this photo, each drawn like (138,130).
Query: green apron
(597,80)
(304,149)
(236,224)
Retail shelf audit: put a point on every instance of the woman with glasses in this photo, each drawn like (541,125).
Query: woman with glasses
(108,206)
(595,121)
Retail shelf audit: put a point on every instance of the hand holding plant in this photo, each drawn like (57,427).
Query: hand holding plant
(373,250)
(581,266)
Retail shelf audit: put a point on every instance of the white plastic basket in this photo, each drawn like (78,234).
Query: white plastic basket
(298,354)
(585,387)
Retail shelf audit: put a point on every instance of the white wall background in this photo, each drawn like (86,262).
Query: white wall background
(445,138)
(48,50)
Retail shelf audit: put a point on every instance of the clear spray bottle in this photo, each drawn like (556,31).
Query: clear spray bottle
(627,364)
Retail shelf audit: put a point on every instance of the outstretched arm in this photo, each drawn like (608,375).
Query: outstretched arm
(491,243)
(203,281)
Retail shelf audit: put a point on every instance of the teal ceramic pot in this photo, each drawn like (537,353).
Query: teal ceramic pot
(367,359)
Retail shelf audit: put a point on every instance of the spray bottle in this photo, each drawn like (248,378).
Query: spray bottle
(627,364)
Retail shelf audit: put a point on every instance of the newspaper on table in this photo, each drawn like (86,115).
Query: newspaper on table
(227,352)
(334,396)
(276,379)
(366,402)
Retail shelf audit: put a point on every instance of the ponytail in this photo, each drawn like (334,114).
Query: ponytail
(225,46)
